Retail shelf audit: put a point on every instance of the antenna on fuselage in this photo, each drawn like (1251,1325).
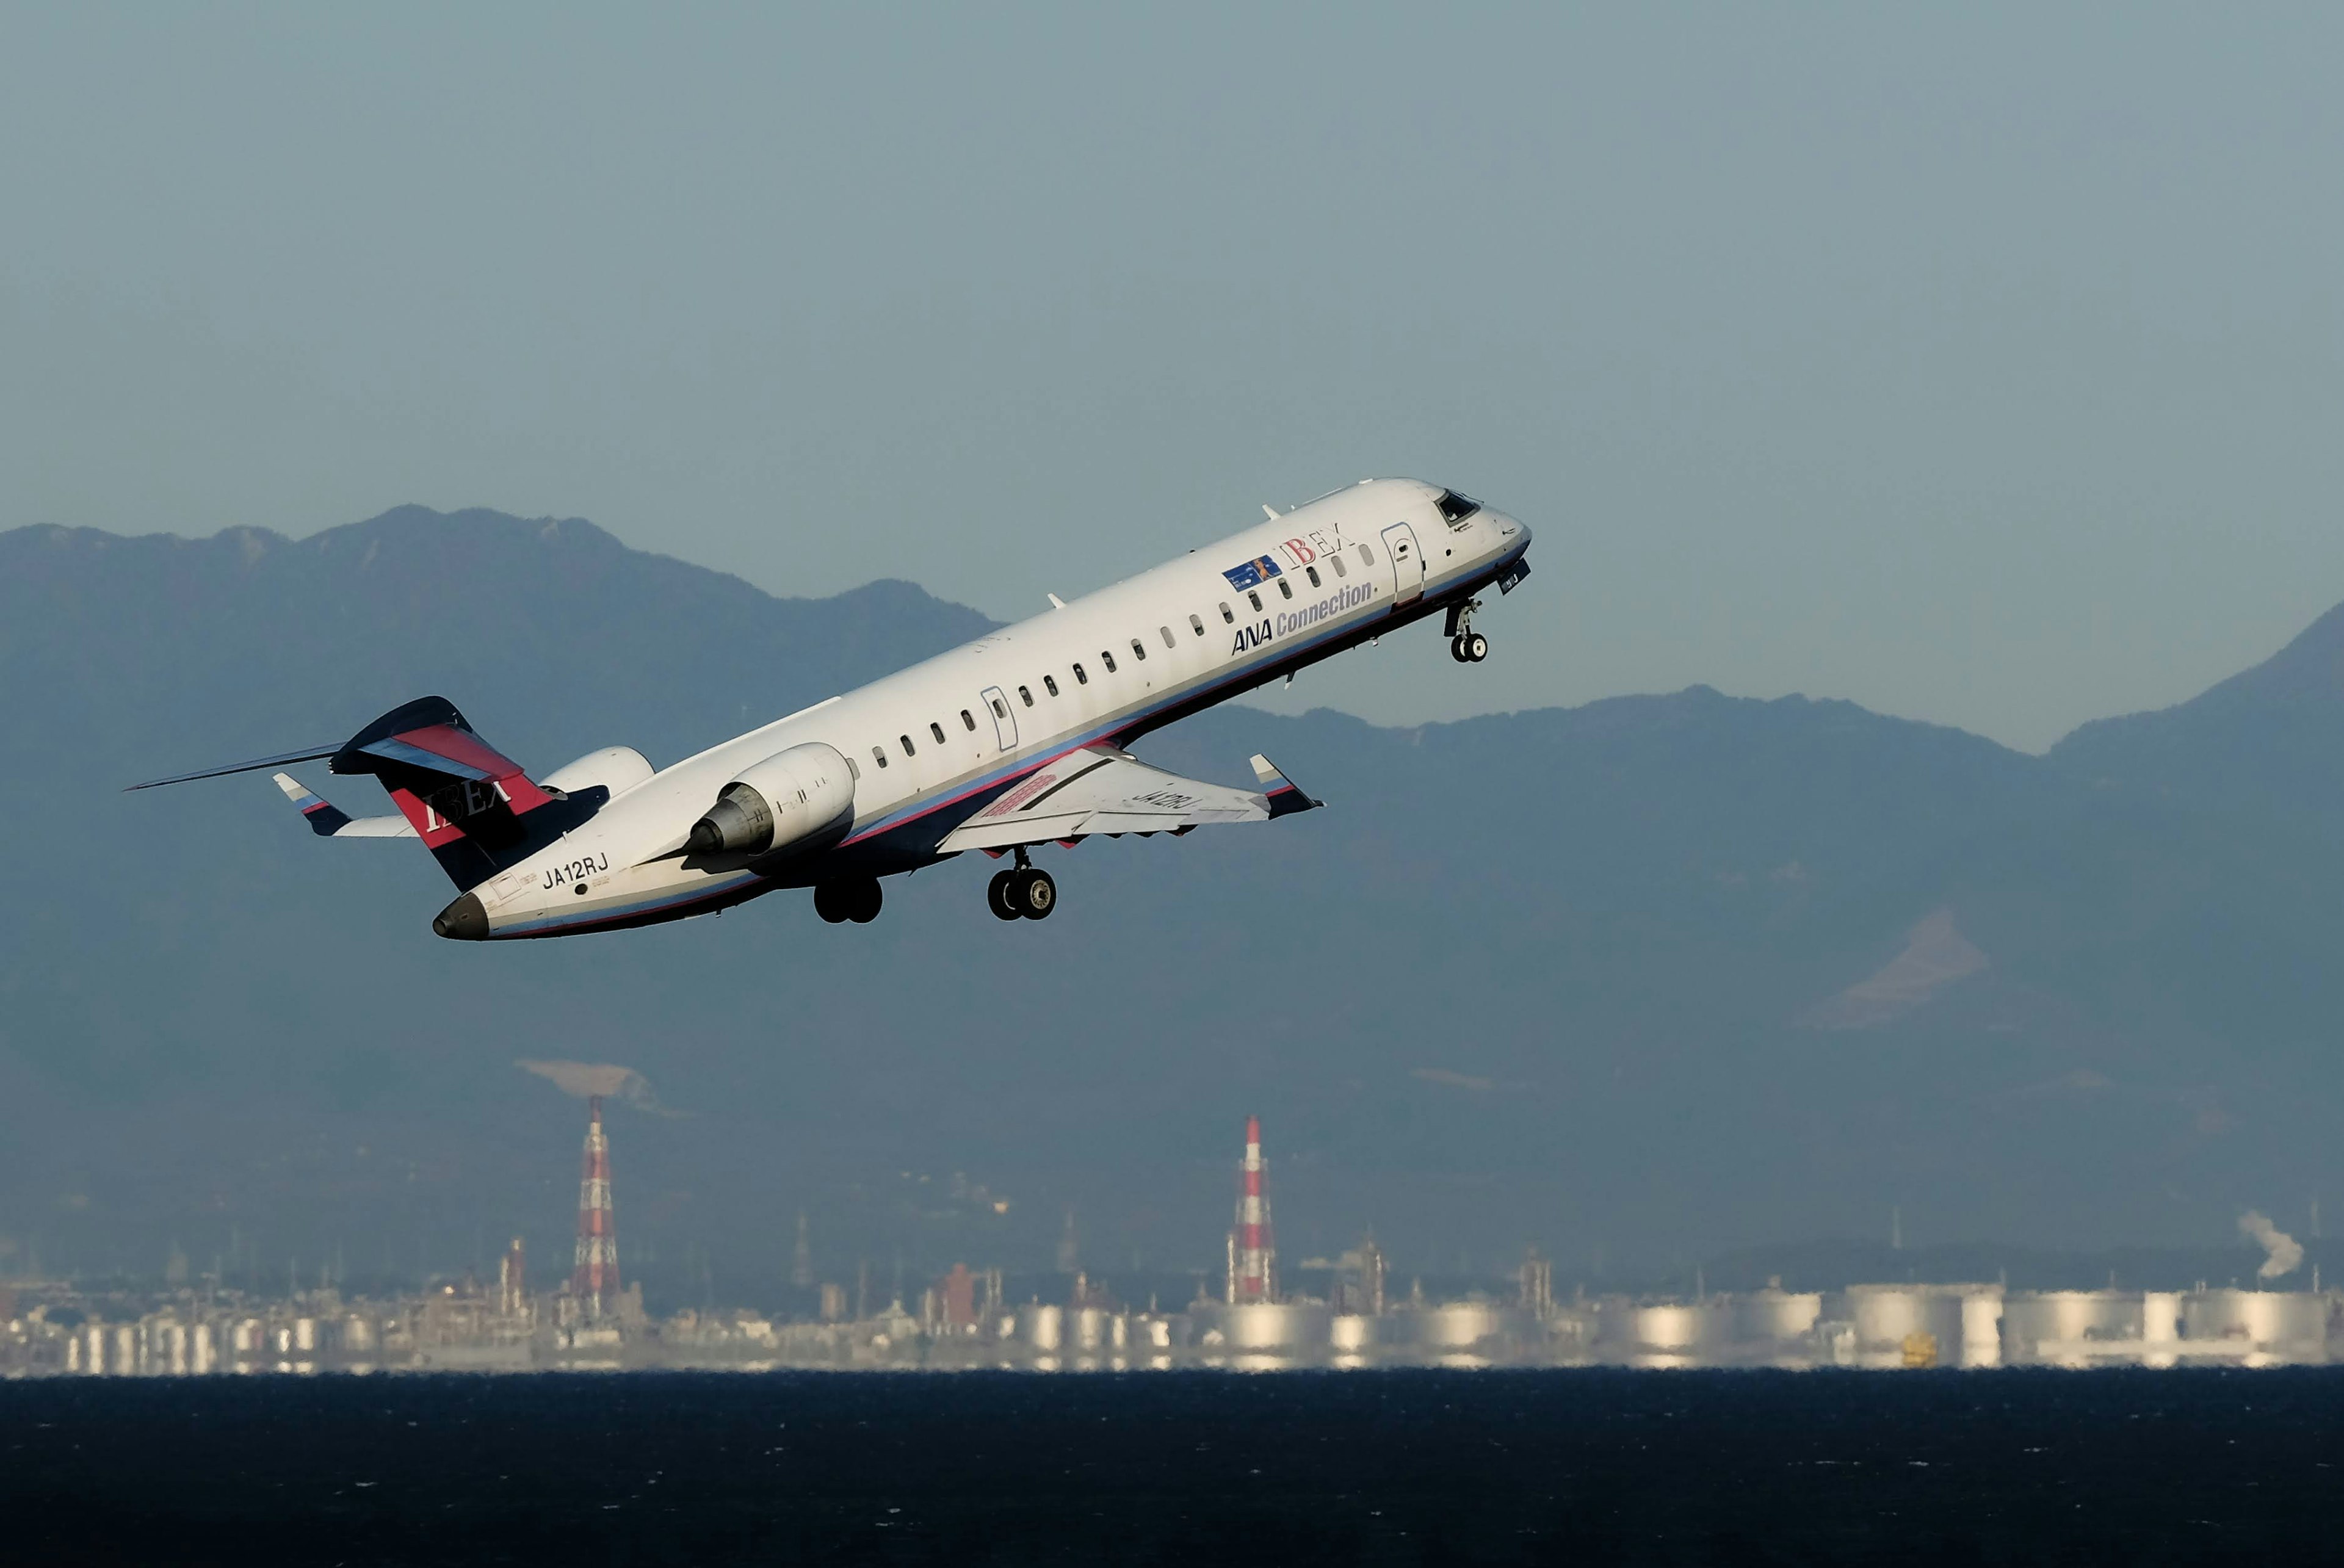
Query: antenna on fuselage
(1055,602)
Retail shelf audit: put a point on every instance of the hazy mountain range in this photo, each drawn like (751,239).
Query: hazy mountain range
(1641,981)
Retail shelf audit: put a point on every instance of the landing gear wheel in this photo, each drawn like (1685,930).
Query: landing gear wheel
(1033,892)
(1466,645)
(830,901)
(863,900)
(996,895)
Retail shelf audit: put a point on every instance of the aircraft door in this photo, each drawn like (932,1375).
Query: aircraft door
(1005,718)
(1407,564)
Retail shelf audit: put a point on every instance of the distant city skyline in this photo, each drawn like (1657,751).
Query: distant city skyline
(1978,366)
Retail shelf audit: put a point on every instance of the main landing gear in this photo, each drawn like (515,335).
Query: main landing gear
(1023,893)
(854,898)
(1466,645)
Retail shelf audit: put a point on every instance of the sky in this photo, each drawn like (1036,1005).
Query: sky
(1979,364)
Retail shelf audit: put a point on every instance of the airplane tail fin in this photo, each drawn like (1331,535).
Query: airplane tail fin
(475,809)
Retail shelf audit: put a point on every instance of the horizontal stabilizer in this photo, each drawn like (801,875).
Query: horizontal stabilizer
(329,821)
(309,757)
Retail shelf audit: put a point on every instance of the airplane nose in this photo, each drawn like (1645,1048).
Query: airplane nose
(463,921)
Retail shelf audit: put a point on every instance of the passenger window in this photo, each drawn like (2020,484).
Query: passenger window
(1336,560)
(1199,622)
(1108,660)
(1253,600)
(1227,619)
(938,730)
(1027,697)
(1312,572)
(1139,649)
(853,772)
(908,744)
(966,722)
(1050,684)
(1367,556)
(1167,633)
(1001,709)
(879,755)
(1081,679)
(1285,589)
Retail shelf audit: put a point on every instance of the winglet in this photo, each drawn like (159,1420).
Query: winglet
(1278,790)
(324,818)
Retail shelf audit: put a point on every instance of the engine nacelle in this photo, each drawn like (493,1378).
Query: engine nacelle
(615,768)
(790,797)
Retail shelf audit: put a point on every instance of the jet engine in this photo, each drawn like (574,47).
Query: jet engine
(789,798)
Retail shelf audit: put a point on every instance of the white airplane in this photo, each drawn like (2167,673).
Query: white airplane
(1004,745)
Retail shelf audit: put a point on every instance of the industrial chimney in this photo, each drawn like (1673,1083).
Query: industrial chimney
(512,1280)
(595,1282)
(1253,1275)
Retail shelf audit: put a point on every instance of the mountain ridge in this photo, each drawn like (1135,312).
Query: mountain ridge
(1622,916)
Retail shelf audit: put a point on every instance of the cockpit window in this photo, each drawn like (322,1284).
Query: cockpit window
(1455,508)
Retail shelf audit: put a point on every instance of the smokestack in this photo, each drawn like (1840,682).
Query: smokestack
(512,1290)
(595,1282)
(2285,1253)
(1255,1275)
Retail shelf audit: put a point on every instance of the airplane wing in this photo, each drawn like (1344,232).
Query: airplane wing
(1103,789)
(329,821)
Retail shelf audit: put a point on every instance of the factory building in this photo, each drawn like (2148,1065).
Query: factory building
(963,1321)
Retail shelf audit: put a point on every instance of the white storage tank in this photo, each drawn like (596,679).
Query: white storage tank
(1093,1328)
(1460,1328)
(2280,1325)
(1775,1317)
(2060,1328)
(1041,1328)
(1683,1328)
(1294,1327)
(1897,1320)
(1982,1329)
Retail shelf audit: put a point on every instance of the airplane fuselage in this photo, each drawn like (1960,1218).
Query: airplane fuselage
(928,748)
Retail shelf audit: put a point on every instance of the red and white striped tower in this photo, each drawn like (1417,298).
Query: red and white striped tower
(595,1282)
(1257,1254)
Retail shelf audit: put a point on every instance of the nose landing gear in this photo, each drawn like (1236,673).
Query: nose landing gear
(1466,645)
(1023,893)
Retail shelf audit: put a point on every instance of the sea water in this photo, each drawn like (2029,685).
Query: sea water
(1191,1468)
